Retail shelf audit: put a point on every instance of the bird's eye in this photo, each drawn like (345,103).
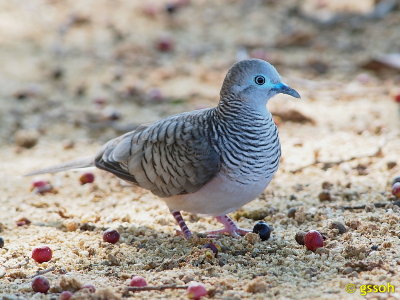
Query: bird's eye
(260,80)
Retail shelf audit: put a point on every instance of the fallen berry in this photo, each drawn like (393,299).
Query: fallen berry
(263,230)
(86,178)
(396,179)
(42,254)
(66,295)
(150,10)
(111,236)
(171,8)
(89,287)
(100,102)
(397,98)
(1,242)
(196,290)
(41,187)
(213,247)
(23,221)
(300,237)
(40,284)
(313,240)
(396,189)
(155,96)
(137,281)
(164,44)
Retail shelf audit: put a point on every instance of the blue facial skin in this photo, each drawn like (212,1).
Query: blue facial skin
(280,88)
(285,89)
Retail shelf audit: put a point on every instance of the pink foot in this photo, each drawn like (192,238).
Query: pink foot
(184,229)
(230,228)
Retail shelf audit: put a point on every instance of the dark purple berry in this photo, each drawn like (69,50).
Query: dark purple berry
(89,287)
(40,284)
(111,236)
(263,230)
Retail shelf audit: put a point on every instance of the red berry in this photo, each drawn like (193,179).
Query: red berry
(100,102)
(138,281)
(40,284)
(396,189)
(111,236)
(42,254)
(41,186)
(165,44)
(66,295)
(397,98)
(23,221)
(89,287)
(86,178)
(313,240)
(196,290)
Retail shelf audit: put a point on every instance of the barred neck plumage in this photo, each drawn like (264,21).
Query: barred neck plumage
(247,140)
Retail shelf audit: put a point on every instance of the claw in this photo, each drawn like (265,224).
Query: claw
(230,228)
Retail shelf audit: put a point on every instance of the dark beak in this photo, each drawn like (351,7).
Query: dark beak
(285,89)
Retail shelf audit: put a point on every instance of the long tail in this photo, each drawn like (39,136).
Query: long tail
(74,164)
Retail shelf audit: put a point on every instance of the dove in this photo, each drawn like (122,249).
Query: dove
(210,161)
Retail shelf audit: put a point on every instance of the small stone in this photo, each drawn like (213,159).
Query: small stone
(292,212)
(326,185)
(196,290)
(391,164)
(257,285)
(300,237)
(386,244)
(339,226)
(40,284)
(26,138)
(325,196)
(374,247)
(57,73)
(347,270)
(1,242)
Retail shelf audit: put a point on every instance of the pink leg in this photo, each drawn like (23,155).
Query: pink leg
(230,228)
(184,229)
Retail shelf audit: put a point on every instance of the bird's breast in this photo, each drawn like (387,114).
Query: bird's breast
(250,155)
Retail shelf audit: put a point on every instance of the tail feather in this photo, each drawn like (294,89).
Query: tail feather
(74,164)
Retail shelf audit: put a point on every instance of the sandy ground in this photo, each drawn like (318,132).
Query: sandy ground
(69,69)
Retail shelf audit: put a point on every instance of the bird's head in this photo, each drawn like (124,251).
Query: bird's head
(254,81)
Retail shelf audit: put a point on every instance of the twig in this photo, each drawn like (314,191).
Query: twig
(20,264)
(156,288)
(41,272)
(329,164)
(378,205)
